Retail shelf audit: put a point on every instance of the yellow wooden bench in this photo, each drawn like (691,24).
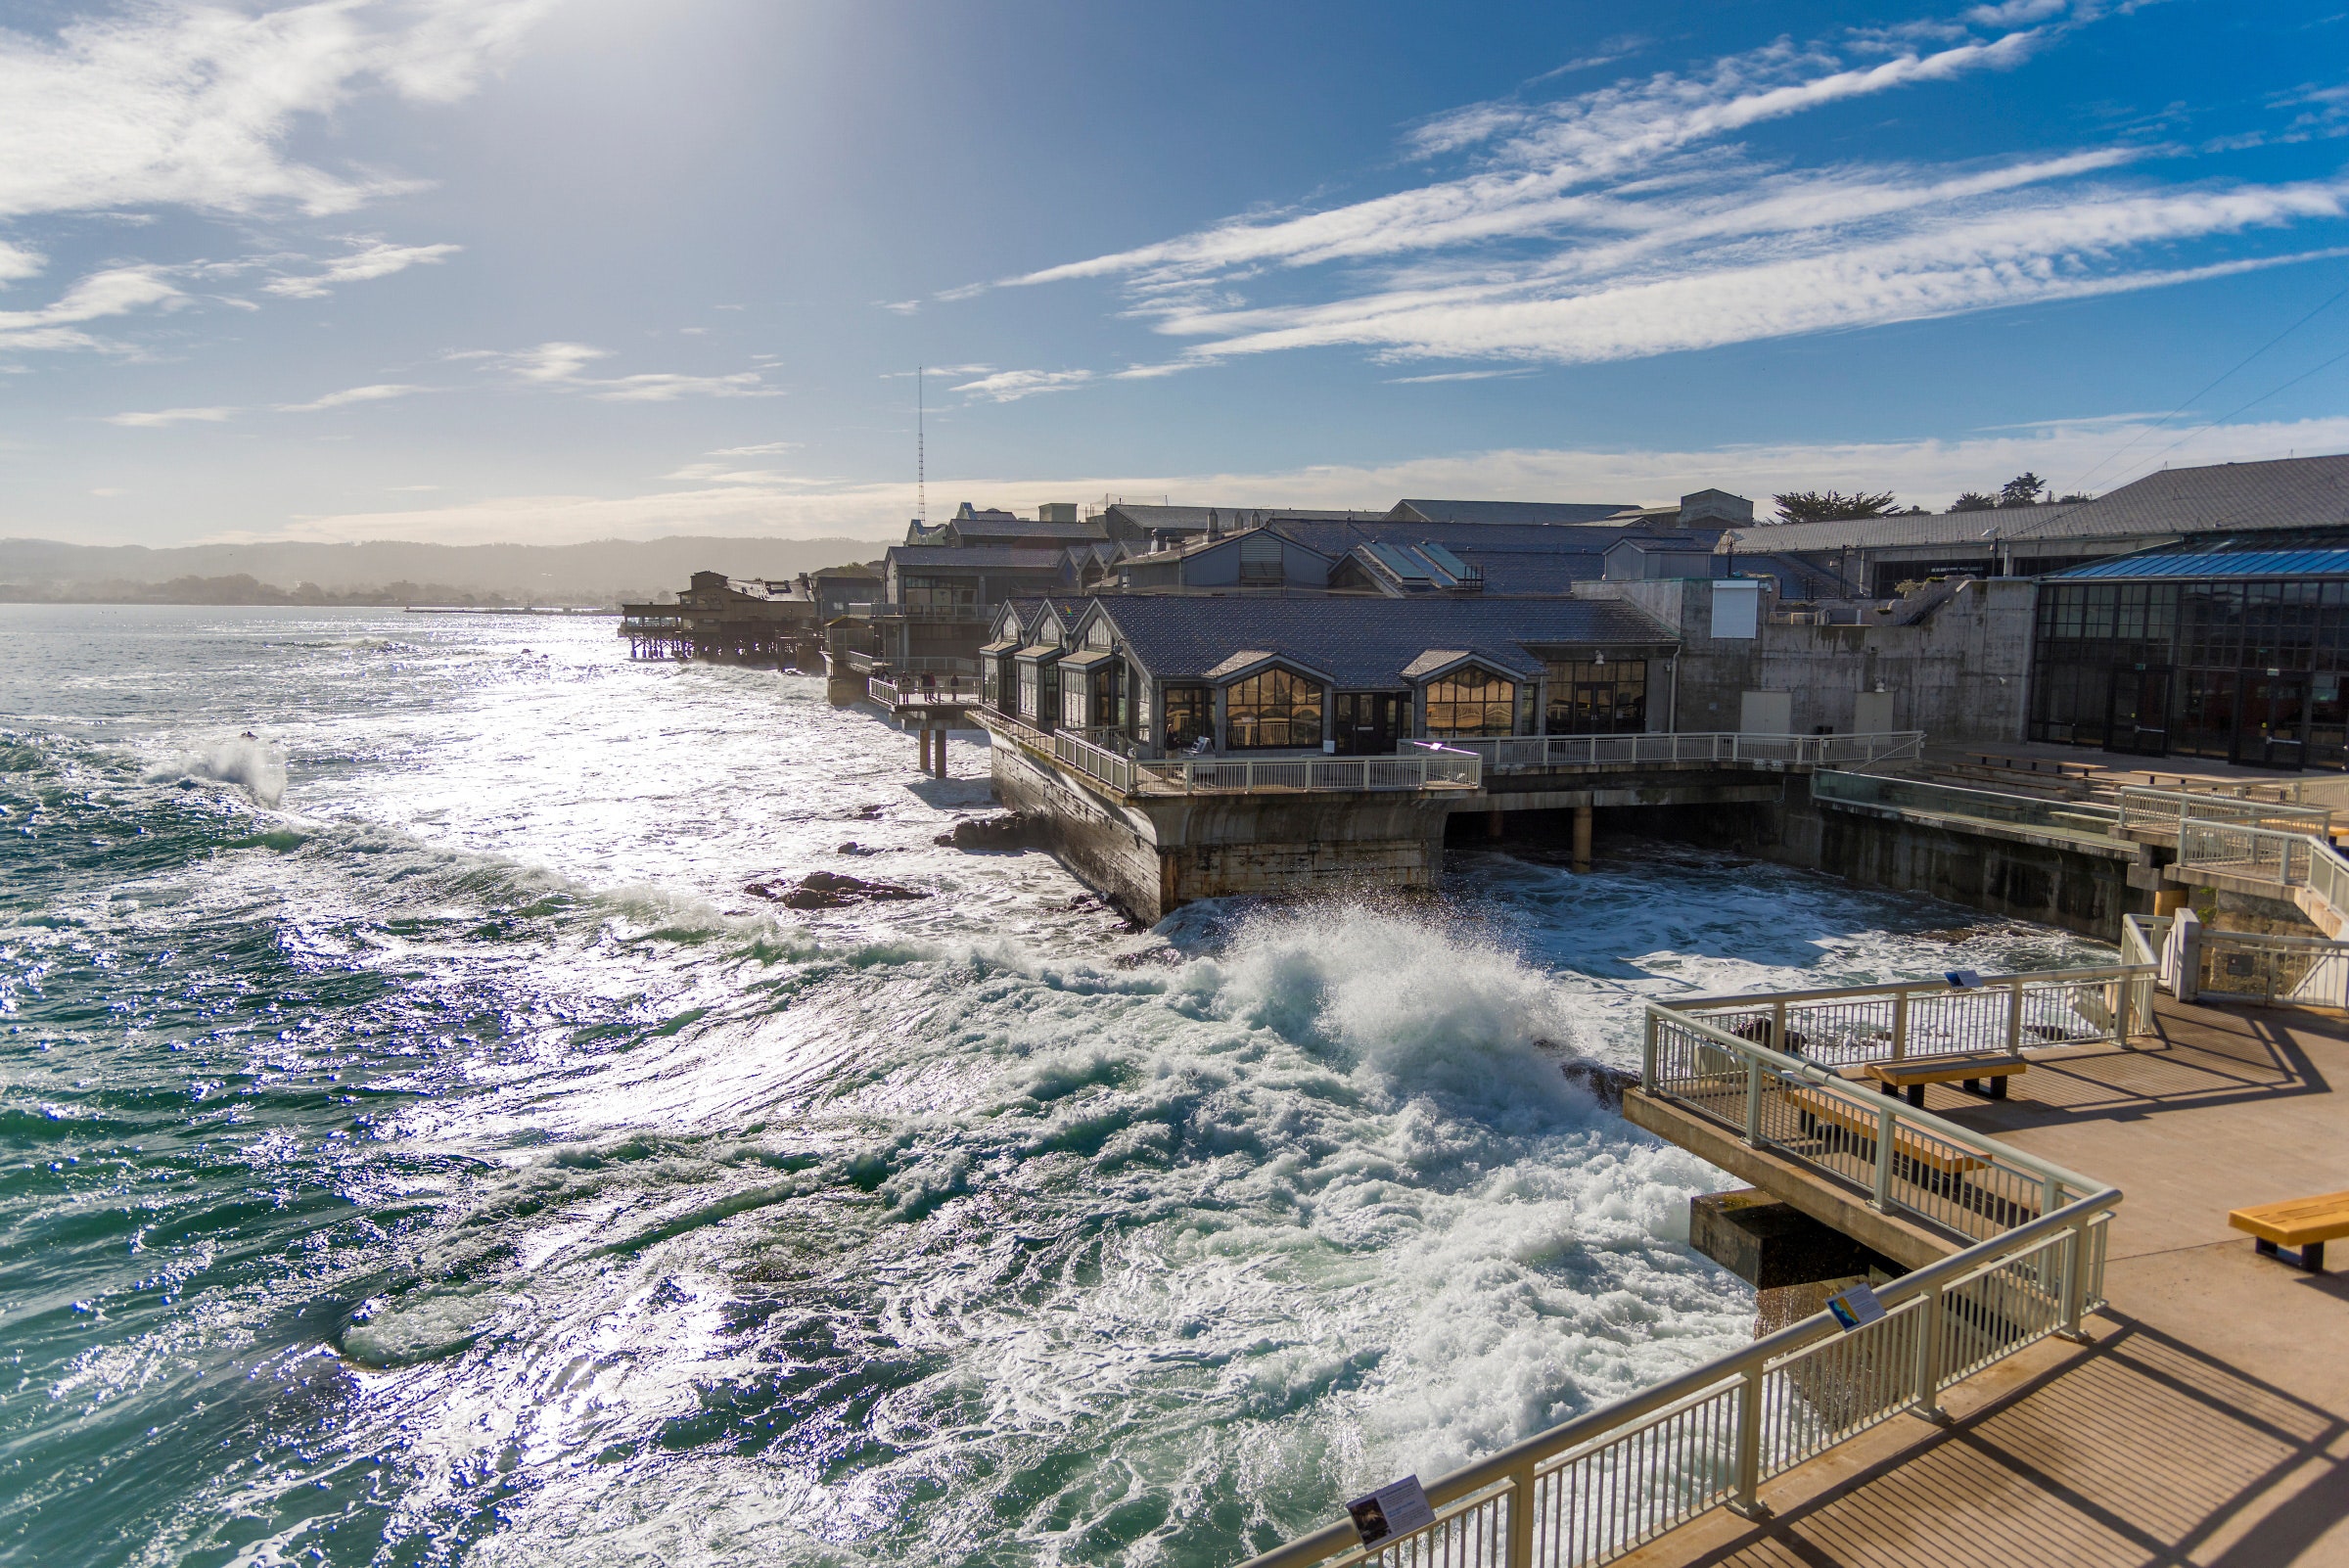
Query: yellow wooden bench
(1814,1107)
(2303,1223)
(1992,1069)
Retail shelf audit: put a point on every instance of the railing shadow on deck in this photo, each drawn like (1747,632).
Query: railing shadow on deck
(2014,1483)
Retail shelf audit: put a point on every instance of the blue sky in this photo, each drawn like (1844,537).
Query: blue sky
(561,270)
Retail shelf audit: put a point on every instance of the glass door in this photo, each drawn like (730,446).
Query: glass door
(2138,717)
(2275,722)
(2204,725)
(1366,722)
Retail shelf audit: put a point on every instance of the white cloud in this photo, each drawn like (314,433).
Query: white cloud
(1624,222)
(561,365)
(376,393)
(762,450)
(157,419)
(372,259)
(1453,375)
(1010,386)
(1928,472)
(113,292)
(188,104)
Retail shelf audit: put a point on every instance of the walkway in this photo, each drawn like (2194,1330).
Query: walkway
(2207,1424)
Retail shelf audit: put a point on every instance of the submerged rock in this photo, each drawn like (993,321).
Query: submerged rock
(829,890)
(1013,830)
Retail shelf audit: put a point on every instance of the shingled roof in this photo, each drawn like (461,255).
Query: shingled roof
(1540,513)
(1362,644)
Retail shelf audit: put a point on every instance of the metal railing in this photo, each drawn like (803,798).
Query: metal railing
(1988,806)
(899,691)
(1519,754)
(2158,813)
(1423,768)
(1094,761)
(1597,1487)
(2283,860)
(2266,970)
(1852,1026)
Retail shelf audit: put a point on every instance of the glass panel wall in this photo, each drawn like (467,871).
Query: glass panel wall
(1589,698)
(1471,702)
(1190,717)
(1275,710)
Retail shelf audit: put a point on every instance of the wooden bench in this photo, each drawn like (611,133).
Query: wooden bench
(2303,1223)
(1991,1070)
(1813,1108)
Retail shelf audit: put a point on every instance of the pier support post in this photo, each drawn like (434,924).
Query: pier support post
(938,753)
(1493,824)
(1582,839)
(921,746)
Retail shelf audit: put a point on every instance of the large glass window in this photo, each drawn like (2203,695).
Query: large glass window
(1031,693)
(1589,698)
(1190,717)
(1471,702)
(1273,712)
(939,593)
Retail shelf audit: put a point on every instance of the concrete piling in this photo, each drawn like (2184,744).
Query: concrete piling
(1581,839)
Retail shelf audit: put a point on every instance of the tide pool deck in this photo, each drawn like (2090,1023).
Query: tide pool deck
(2208,1421)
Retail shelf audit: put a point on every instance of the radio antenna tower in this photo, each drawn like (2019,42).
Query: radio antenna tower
(921,459)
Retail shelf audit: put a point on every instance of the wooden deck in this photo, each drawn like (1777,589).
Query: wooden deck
(2208,1422)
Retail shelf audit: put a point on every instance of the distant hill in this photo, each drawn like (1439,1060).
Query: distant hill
(606,571)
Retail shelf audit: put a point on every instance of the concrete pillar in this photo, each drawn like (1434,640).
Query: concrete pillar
(1492,823)
(921,746)
(1581,839)
(939,752)
(2169,901)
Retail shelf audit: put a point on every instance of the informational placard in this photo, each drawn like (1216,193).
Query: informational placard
(1857,1308)
(1394,1509)
(1964,978)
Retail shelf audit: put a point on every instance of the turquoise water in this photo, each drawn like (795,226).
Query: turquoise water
(416,1148)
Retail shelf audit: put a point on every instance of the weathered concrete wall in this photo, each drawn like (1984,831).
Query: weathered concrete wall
(1997,870)
(1958,675)
(1151,856)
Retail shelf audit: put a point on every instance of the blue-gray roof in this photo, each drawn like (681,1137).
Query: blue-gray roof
(2216,563)
(1365,644)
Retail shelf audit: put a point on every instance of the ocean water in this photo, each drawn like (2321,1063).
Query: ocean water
(415,1147)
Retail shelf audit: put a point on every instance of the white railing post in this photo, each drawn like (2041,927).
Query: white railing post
(2075,1281)
(1648,1055)
(1881,1198)
(1521,1516)
(1900,1024)
(1753,1101)
(1928,1357)
(1778,1028)
(2014,1018)
(1748,1505)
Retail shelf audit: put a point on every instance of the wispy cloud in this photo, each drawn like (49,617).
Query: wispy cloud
(1633,220)
(372,260)
(1010,386)
(563,365)
(157,419)
(187,104)
(1454,374)
(379,392)
(761,449)
(113,292)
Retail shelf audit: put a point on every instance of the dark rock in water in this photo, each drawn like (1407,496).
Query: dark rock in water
(865,813)
(1013,830)
(1605,1084)
(1147,958)
(855,847)
(829,890)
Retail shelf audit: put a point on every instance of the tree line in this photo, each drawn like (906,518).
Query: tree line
(1833,506)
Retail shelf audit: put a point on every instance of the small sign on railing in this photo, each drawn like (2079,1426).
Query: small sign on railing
(1963,979)
(1397,1508)
(1857,1308)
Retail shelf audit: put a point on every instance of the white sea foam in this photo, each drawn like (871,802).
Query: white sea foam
(256,767)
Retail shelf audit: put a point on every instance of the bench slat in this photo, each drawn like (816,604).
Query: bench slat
(2296,1222)
(1908,1147)
(1947,1068)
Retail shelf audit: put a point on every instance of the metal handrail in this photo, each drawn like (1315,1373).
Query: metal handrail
(1567,1496)
(1514,754)
(1957,800)
(1849,1025)
(891,691)
(1095,761)
(1434,768)
(2161,812)
(2244,966)
(2266,855)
